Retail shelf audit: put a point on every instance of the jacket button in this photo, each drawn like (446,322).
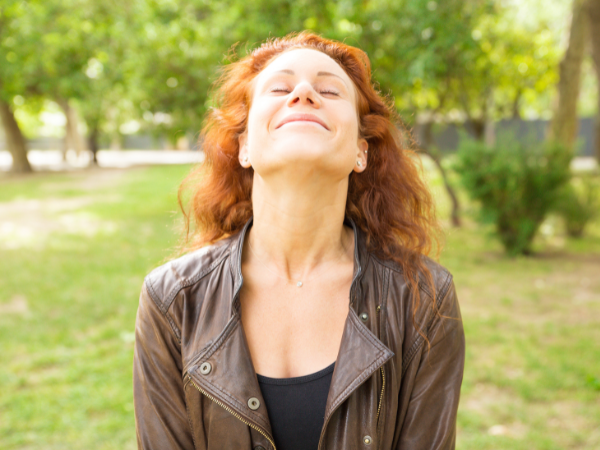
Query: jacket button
(253,403)
(367,440)
(364,317)
(205,368)
(259,447)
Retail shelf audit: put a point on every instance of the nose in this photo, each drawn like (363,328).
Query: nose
(304,94)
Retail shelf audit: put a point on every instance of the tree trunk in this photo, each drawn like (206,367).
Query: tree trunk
(593,8)
(93,143)
(476,128)
(15,142)
(515,106)
(73,139)
(489,129)
(430,150)
(564,125)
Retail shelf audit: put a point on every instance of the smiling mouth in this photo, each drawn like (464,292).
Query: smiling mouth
(302,121)
(299,117)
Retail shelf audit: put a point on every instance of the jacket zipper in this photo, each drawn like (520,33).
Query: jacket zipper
(231,411)
(381,395)
(379,407)
(382,384)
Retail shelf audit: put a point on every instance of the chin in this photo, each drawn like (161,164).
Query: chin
(302,143)
(301,163)
(297,151)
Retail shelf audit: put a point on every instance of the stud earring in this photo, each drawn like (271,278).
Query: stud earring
(365,151)
(245,159)
(359,163)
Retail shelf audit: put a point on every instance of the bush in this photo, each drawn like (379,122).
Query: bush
(516,184)
(578,203)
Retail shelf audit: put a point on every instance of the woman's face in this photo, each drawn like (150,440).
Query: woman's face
(303,118)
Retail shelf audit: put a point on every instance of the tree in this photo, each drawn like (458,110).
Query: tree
(43,52)
(15,141)
(593,8)
(111,87)
(565,122)
(17,39)
(83,61)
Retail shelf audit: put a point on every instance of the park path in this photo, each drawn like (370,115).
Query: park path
(52,160)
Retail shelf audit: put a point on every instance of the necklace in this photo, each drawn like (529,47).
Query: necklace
(299,283)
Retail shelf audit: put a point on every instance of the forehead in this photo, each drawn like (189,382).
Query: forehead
(304,58)
(304,62)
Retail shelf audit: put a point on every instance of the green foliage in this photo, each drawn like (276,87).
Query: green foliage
(154,60)
(515,183)
(578,203)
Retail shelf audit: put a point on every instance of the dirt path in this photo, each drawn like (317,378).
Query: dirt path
(30,223)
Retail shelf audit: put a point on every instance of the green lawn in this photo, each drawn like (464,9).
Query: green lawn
(74,249)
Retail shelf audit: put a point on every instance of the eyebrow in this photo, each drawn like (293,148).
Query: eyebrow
(319,74)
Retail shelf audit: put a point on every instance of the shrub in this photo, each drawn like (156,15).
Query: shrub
(578,203)
(516,184)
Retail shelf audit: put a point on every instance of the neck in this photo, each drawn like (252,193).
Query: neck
(298,230)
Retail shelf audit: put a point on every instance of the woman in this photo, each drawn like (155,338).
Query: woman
(306,314)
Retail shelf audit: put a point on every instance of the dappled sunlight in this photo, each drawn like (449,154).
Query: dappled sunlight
(32,224)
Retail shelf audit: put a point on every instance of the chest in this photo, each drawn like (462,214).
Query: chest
(294,331)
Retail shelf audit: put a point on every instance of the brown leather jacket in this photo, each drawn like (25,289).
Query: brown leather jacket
(195,386)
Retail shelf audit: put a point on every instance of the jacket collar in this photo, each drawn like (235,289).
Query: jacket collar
(232,381)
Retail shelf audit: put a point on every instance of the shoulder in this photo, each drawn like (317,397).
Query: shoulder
(165,281)
(415,318)
(439,275)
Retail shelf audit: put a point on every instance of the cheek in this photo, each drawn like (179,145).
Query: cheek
(260,117)
(348,123)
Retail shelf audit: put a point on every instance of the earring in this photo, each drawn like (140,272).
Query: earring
(359,163)
(245,159)
(365,151)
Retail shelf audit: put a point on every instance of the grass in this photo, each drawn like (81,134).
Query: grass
(74,249)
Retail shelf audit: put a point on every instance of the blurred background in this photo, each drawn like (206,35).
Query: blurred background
(101,103)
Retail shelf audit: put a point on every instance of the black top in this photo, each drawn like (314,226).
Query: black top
(296,408)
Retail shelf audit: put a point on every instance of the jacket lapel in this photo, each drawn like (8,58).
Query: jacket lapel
(360,355)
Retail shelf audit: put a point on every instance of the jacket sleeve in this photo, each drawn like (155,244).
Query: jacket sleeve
(430,420)
(159,400)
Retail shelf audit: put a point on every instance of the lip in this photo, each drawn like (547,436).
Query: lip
(302,117)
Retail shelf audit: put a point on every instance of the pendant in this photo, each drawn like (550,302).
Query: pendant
(299,284)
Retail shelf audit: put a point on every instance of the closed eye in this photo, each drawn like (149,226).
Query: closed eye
(321,92)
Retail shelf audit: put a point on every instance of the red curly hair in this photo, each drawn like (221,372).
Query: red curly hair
(389,201)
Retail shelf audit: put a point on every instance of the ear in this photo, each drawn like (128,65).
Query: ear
(361,156)
(243,150)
